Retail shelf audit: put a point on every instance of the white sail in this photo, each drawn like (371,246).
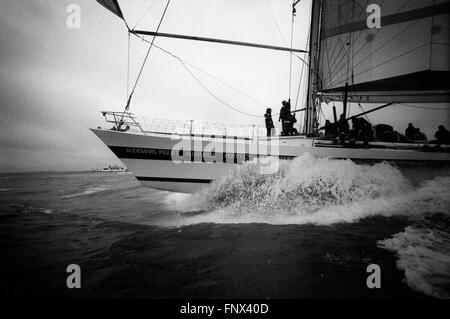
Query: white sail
(405,60)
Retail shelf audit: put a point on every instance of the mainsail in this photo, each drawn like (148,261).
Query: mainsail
(405,60)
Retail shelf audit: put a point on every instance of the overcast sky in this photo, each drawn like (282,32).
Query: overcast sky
(54,81)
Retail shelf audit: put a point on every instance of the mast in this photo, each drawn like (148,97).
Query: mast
(334,114)
(344,102)
(313,78)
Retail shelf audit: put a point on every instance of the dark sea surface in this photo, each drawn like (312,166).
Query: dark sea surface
(309,231)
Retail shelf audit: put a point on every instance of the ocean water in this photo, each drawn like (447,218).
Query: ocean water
(308,231)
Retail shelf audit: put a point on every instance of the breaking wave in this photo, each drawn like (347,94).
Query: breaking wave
(310,190)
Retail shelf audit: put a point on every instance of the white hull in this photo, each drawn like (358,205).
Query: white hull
(150,159)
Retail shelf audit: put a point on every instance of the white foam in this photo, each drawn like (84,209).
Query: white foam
(314,190)
(424,256)
(88,191)
(179,201)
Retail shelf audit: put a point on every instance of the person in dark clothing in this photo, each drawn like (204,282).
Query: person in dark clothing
(410,131)
(366,131)
(361,129)
(442,135)
(343,128)
(418,135)
(287,103)
(285,114)
(281,118)
(269,121)
(289,125)
(330,129)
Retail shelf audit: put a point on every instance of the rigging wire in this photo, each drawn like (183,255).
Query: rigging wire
(204,72)
(339,67)
(196,79)
(350,44)
(276,22)
(377,49)
(128,66)
(301,72)
(145,13)
(350,58)
(290,55)
(283,38)
(392,59)
(225,83)
(335,65)
(328,58)
(212,94)
(386,42)
(299,85)
(300,82)
(365,115)
(185,63)
(146,57)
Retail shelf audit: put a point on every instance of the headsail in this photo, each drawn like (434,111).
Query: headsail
(405,60)
(113,6)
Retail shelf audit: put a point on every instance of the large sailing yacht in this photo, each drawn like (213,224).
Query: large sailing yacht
(402,58)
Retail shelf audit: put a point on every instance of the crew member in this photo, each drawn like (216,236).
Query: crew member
(269,121)
(419,136)
(442,135)
(289,125)
(410,132)
(361,129)
(285,113)
(330,129)
(343,128)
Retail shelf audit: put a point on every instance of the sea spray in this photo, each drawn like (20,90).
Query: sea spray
(315,190)
(424,256)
